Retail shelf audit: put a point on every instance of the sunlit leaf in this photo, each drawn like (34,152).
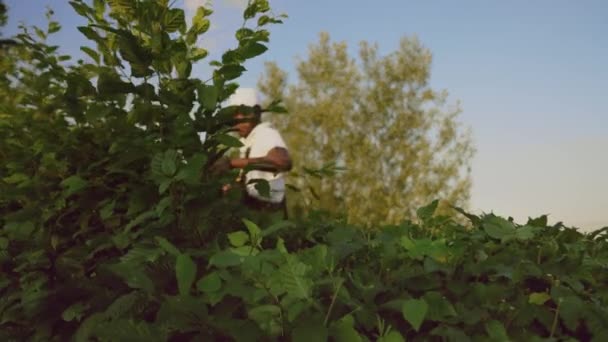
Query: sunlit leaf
(210,283)
(414,311)
(538,298)
(496,331)
(238,239)
(73,184)
(175,20)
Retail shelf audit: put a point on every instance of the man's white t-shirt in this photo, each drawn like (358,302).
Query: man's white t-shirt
(260,141)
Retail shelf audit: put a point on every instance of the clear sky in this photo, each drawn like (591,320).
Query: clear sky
(531,77)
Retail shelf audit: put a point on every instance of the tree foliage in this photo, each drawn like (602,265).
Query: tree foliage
(3,14)
(398,142)
(3,20)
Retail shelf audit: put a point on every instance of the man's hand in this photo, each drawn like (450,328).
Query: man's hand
(239,163)
(226,188)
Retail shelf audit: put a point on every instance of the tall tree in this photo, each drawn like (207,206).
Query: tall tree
(400,144)
(3,20)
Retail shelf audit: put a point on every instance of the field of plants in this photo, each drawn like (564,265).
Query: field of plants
(114,228)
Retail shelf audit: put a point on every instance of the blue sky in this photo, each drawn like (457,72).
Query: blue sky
(531,77)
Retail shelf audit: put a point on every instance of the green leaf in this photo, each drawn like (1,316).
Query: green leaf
(147,91)
(262,186)
(80,8)
(181,313)
(263,20)
(293,278)
(231,71)
(526,232)
(54,27)
(245,250)
(164,185)
(191,173)
(130,330)
(440,308)
(251,10)
(538,298)
(167,246)
(232,57)
(185,271)
(197,54)
(92,53)
(141,218)
(279,225)
(572,310)
(169,166)
(263,6)
(252,50)
(124,7)
(261,35)
(450,333)
(225,259)
(238,239)
(344,331)
(107,210)
(210,283)
(90,33)
(16,178)
(134,277)
(426,212)
(496,331)
(121,240)
(73,184)
(254,230)
(473,218)
(111,84)
(244,33)
(137,55)
(207,97)
(139,255)
(309,329)
(88,326)
(228,140)
(392,336)
(3,243)
(75,311)
(498,228)
(183,68)
(414,311)
(100,7)
(175,20)
(266,316)
(200,23)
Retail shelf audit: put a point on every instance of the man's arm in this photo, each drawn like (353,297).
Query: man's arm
(276,160)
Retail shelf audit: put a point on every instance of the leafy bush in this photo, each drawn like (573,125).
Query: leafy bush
(113,227)
(492,280)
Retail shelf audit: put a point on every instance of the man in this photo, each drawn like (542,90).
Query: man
(263,156)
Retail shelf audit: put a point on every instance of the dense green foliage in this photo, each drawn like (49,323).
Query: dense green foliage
(114,229)
(398,142)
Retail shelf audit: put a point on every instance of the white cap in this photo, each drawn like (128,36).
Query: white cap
(243,96)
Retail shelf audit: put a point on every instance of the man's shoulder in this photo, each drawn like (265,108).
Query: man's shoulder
(265,126)
(266,133)
(264,130)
